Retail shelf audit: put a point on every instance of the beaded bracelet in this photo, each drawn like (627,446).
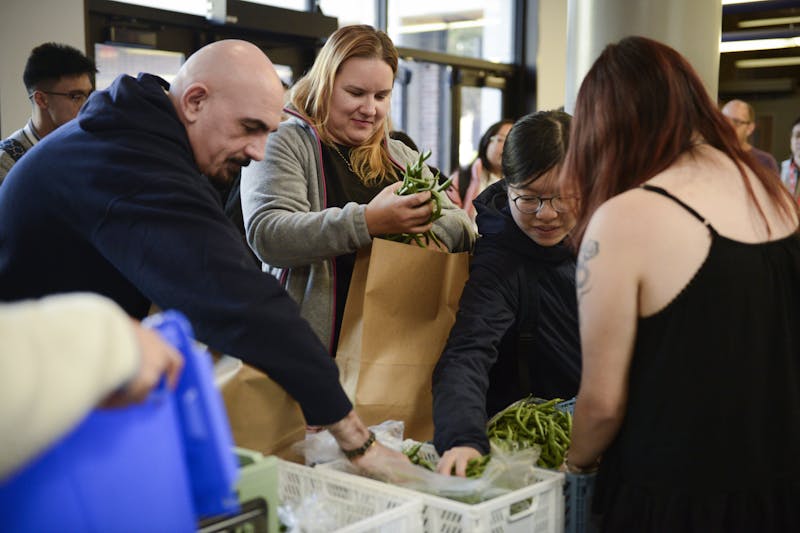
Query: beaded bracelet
(358,452)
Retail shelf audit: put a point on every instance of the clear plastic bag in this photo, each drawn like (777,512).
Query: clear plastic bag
(320,447)
(505,472)
(312,514)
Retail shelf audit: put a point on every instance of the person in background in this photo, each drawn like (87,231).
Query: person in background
(130,212)
(58,79)
(790,168)
(516,331)
(471,180)
(743,119)
(687,280)
(63,355)
(327,184)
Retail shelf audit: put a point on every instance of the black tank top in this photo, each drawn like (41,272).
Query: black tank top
(714,384)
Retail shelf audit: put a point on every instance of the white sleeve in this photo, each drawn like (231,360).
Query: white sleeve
(59,357)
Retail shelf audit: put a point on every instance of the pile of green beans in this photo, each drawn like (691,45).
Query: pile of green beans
(529,423)
(414,182)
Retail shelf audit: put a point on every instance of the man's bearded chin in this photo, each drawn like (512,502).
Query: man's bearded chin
(229,171)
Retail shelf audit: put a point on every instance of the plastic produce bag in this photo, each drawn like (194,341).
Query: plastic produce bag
(311,514)
(320,447)
(504,473)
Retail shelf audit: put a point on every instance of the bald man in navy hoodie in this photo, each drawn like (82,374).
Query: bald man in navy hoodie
(119,202)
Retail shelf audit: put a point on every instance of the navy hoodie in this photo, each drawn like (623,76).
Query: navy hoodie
(113,203)
(477,374)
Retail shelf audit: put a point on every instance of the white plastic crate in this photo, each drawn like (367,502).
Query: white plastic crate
(536,508)
(353,504)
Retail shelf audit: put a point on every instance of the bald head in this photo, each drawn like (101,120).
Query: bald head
(229,64)
(742,117)
(228,97)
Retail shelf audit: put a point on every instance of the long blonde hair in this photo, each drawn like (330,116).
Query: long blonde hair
(311,95)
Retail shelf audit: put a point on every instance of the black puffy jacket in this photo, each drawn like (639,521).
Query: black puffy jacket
(511,277)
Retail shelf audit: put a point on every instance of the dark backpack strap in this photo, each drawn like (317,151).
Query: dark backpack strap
(526,326)
(13,148)
(464,178)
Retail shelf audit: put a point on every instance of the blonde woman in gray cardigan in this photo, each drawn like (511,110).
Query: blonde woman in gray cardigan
(326,186)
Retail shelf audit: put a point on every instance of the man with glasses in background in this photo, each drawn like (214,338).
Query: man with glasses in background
(743,119)
(59,79)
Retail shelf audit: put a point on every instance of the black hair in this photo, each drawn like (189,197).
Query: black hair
(796,122)
(483,144)
(50,61)
(536,143)
(403,137)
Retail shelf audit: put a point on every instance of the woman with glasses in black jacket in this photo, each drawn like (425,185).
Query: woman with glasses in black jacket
(516,331)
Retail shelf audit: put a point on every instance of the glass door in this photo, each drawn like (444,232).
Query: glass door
(421,108)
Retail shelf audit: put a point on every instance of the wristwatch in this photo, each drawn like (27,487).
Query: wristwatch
(358,452)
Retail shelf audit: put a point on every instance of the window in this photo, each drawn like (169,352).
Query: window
(285,73)
(350,11)
(421,108)
(480,108)
(470,28)
(297,5)
(192,7)
(113,60)
(198,7)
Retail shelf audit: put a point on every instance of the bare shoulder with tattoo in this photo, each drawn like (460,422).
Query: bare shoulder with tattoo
(589,250)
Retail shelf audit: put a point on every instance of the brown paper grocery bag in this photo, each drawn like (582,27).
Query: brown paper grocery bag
(262,415)
(400,307)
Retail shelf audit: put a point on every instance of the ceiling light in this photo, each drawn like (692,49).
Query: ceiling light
(442,26)
(780,21)
(768,62)
(422,28)
(758,44)
(729,2)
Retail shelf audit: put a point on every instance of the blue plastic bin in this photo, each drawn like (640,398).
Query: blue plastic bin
(578,493)
(155,466)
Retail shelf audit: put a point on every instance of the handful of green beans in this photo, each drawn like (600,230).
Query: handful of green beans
(475,467)
(414,182)
(529,423)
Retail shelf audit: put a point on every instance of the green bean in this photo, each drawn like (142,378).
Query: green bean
(414,182)
(444,186)
(476,466)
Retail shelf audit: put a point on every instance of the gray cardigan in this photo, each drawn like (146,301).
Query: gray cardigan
(296,236)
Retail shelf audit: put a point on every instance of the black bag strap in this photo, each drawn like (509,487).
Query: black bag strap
(529,307)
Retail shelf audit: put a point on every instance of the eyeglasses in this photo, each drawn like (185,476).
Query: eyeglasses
(77,97)
(737,122)
(531,205)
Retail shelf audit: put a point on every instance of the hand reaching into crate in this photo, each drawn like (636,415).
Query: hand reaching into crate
(363,450)
(458,458)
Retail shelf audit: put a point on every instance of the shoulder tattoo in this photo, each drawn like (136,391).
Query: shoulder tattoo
(589,250)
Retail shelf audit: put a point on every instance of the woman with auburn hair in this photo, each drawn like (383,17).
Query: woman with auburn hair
(688,279)
(327,183)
